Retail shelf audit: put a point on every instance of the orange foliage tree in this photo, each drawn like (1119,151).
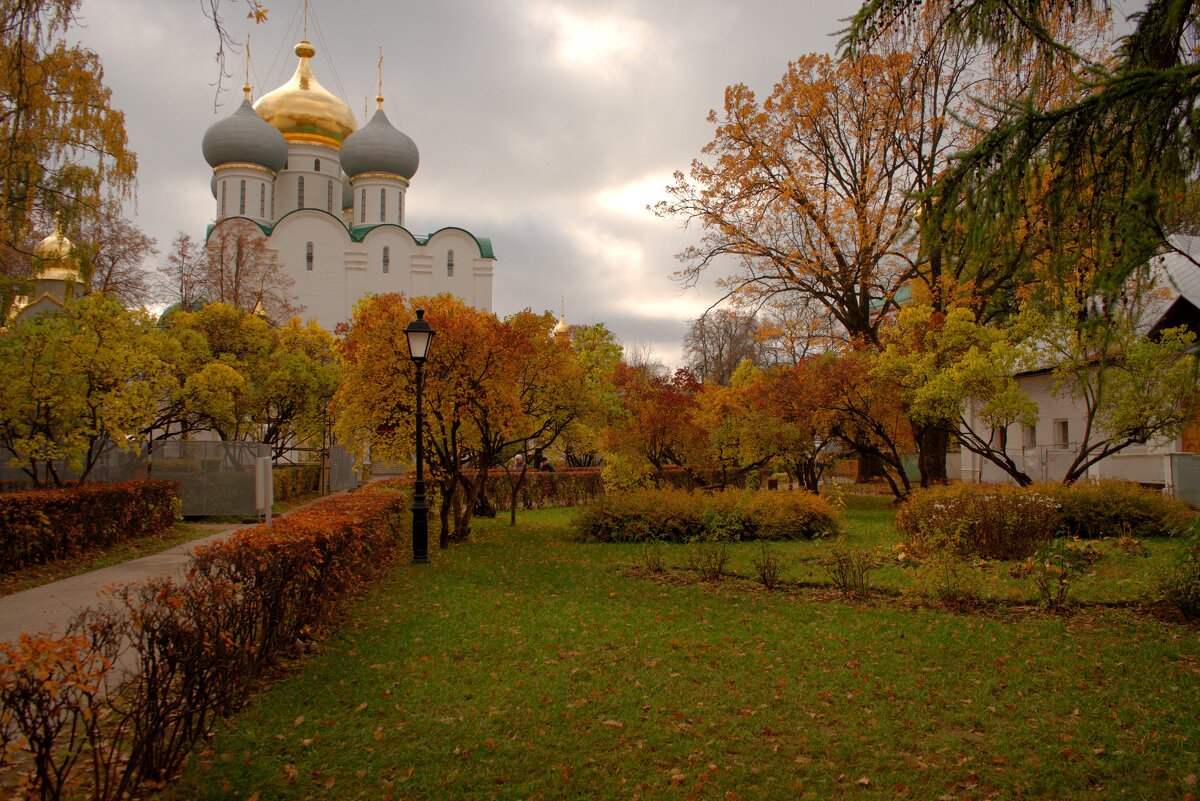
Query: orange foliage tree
(493,388)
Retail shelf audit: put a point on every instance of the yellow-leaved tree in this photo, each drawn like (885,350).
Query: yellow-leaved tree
(62,144)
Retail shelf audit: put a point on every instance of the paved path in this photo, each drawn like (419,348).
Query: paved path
(50,607)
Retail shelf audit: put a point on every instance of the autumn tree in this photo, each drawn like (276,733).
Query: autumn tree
(656,423)
(946,366)
(492,387)
(718,341)
(181,276)
(597,352)
(62,145)
(114,251)
(1109,163)
(798,398)
(241,270)
(75,383)
(245,380)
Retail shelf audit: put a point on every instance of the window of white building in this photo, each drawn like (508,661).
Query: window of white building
(242,198)
(387,258)
(308,256)
(449,263)
(1062,432)
(300,192)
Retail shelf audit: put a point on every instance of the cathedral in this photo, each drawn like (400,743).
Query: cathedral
(330,199)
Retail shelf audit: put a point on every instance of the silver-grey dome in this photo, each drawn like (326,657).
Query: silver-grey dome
(244,136)
(379,147)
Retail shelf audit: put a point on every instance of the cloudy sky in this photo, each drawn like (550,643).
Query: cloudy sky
(546,125)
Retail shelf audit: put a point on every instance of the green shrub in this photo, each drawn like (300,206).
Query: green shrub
(1115,509)
(989,521)
(1180,585)
(42,525)
(677,516)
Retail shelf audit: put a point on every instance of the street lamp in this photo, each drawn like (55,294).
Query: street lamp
(420,336)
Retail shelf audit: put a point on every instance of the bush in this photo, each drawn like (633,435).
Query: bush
(678,516)
(1180,585)
(1056,565)
(708,559)
(39,526)
(1115,509)
(849,571)
(768,566)
(982,520)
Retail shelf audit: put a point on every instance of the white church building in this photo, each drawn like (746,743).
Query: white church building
(330,198)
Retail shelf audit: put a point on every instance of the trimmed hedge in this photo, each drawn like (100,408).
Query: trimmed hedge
(195,649)
(1116,509)
(671,515)
(39,526)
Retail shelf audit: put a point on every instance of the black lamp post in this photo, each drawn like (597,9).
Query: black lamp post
(420,336)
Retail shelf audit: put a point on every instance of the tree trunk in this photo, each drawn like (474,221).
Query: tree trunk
(444,506)
(933,442)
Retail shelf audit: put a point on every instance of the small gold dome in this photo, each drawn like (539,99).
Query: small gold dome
(561,328)
(53,260)
(305,111)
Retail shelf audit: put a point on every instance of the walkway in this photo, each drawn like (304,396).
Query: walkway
(51,607)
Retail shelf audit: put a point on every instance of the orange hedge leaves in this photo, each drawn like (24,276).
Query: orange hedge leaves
(41,525)
(192,649)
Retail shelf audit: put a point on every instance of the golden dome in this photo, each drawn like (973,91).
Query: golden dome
(53,260)
(305,111)
(561,328)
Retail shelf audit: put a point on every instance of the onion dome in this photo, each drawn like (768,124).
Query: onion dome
(53,260)
(561,329)
(244,138)
(379,147)
(303,110)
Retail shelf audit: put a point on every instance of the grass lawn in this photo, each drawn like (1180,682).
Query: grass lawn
(526,665)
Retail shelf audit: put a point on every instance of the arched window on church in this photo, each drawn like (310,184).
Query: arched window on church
(387,258)
(383,205)
(223,186)
(262,200)
(300,192)
(449,263)
(362,207)
(242,198)
(400,208)
(329,198)
(308,256)
(316,165)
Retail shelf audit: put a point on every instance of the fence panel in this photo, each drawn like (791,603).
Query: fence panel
(217,477)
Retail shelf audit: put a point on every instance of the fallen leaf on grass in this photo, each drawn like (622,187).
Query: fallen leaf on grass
(864,782)
(616,724)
